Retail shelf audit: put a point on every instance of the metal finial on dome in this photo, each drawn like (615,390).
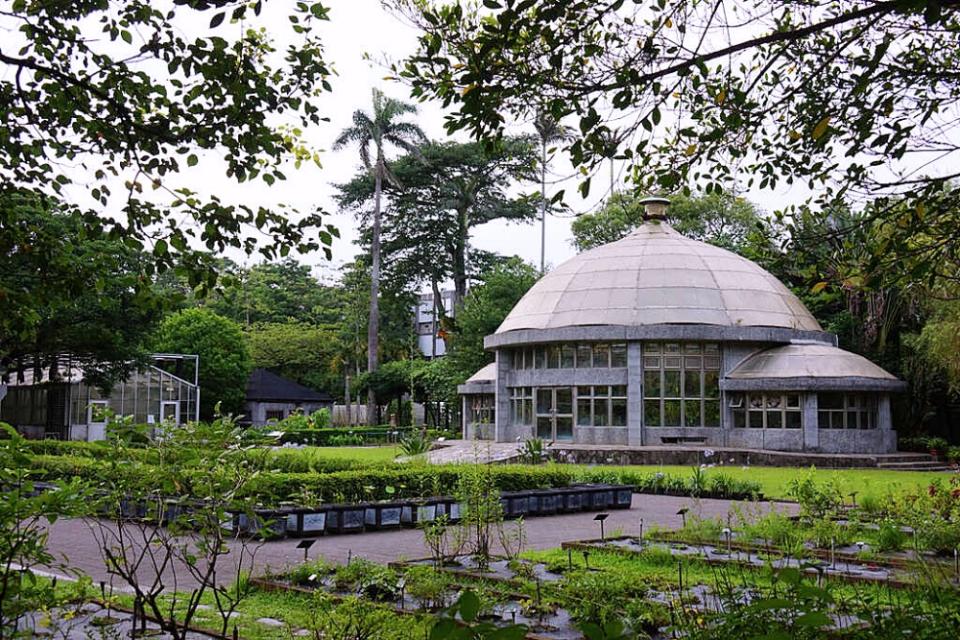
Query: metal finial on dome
(655,208)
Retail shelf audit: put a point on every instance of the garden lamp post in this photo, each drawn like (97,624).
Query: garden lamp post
(683,516)
(727,534)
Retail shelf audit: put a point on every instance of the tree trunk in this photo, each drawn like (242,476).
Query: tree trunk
(437,307)
(543,206)
(460,260)
(373,326)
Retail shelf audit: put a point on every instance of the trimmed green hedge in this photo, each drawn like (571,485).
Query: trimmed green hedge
(340,436)
(273,486)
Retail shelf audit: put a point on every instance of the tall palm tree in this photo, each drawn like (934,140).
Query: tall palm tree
(549,130)
(611,140)
(372,133)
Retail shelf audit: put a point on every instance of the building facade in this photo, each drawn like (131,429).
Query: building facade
(426,322)
(67,407)
(271,398)
(659,339)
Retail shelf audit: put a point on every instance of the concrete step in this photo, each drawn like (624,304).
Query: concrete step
(920,465)
(903,457)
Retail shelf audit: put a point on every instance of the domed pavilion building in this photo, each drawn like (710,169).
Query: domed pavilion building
(659,339)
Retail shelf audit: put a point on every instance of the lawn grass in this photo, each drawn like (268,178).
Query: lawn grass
(384,453)
(775,481)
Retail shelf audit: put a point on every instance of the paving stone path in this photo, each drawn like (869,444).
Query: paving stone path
(73,540)
(473,451)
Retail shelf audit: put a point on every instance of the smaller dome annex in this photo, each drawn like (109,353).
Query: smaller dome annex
(810,366)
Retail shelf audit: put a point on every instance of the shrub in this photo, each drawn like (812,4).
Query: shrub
(599,597)
(427,586)
(415,444)
(817,500)
(890,537)
(310,574)
(953,455)
(346,440)
(533,451)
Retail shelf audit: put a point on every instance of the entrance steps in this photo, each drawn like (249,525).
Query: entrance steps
(915,465)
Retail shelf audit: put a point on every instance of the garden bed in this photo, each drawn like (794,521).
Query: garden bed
(844,567)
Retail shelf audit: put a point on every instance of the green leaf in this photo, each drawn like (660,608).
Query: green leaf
(821,128)
(813,619)
(192,160)
(217,20)
(469,606)
(443,628)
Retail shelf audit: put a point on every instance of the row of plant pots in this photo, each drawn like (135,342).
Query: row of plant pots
(306,522)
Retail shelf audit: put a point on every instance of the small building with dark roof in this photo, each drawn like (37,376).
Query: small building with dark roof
(271,397)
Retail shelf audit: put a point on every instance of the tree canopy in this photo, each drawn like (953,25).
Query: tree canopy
(484,308)
(120,98)
(851,99)
(224,359)
(439,194)
(275,292)
(67,289)
(719,218)
(298,351)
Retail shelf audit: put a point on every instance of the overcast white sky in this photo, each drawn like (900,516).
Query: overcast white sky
(356,28)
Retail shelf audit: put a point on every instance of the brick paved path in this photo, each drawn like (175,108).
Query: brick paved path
(73,538)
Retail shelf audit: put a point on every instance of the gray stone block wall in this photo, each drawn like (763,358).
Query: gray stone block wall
(809,438)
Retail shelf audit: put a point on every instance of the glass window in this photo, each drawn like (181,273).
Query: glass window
(618,354)
(567,356)
(601,412)
(602,405)
(766,410)
(482,409)
(584,356)
(601,355)
(553,356)
(685,377)
(541,357)
(846,411)
(618,412)
(671,384)
(651,383)
(521,405)
(584,418)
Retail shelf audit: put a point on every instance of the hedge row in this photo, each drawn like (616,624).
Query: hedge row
(97,450)
(344,435)
(270,488)
(289,460)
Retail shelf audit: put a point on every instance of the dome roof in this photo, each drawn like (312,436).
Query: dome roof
(657,276)
(794,365)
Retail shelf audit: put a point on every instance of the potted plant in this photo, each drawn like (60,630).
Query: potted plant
(936,445)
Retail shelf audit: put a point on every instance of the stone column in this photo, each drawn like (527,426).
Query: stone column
(884,416)
(635,394)
(811,425)
(501,429)
(463,418)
